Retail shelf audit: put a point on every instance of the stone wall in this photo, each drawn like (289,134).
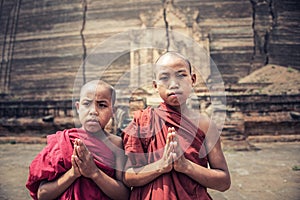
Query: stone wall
(43,43)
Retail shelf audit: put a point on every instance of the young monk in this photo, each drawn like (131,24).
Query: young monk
(163,145)
(82,163)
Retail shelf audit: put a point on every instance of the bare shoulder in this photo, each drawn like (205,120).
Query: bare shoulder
(116,140)
(204,122)
(199,119)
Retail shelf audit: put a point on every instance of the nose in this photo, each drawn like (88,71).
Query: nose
(173,83)
(93,110)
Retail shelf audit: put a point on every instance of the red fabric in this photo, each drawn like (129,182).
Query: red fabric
(144,140)
(55,159)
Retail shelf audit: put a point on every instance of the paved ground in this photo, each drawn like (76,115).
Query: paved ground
(256,175)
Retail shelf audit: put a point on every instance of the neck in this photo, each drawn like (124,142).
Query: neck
(183,109)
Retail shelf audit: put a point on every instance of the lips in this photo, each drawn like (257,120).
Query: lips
(176,93)
(92,121)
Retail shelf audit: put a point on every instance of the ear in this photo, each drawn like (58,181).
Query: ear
(193,79)
(77,106)
(114,110)
(154,84)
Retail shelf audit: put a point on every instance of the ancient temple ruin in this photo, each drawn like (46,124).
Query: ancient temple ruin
(48,47)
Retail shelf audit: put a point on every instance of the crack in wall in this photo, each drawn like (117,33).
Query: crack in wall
(4,55)
(15,29)
(1,6)
(262,27)
(165,4)
(84,11)
(270,29)
(9,46)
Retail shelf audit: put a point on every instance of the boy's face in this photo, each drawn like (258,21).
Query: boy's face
(95,107)
(173,80)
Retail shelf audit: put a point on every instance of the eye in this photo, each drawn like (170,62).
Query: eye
(181,75)
(86,103)
(102,105)
(163,78)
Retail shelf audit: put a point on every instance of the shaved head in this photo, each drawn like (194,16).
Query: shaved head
(169,57)
(94,84)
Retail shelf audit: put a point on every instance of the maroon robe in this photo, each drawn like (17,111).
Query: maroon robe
(144,142)
(55,159)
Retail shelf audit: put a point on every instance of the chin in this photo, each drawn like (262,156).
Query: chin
(93,130)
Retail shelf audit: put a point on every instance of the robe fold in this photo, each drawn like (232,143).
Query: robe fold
(144,141)
(55,159)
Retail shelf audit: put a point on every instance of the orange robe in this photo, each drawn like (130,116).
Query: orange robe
(55,159)
(144,142)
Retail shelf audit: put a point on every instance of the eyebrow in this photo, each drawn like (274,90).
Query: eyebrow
(163,73)
(179,71)
(86,99)
(102,101)
(182,70)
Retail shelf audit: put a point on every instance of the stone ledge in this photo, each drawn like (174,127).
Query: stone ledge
(274,138)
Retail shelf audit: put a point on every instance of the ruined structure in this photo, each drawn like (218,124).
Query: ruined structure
(44,46)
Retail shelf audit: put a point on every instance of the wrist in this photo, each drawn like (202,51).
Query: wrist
(95,175)
(184,167)
(71,175)
(162,168)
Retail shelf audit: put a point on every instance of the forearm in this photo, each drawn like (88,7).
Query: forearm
(143,175)
(53,189)
(113,188)
(217,179)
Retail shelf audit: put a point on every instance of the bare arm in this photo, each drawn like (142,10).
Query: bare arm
(53,189)
(217,176)
(143,175)
(114,188)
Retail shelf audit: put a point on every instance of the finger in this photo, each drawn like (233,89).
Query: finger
(175,136)
(78,162)
(74,149)
(173,145)
(76,141)
(75,160)
(173,133)
(169,135)
(82,146)
(169,149)
(171,158)
(81,149)
(174,156)
(177,148)
(173,129)
(78,151)
(169,138)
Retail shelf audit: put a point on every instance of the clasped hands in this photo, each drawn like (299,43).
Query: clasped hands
(173,157)
(82,161)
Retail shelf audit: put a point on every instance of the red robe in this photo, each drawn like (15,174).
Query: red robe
(55,159)
(144,142)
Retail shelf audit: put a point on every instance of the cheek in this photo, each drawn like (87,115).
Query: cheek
(105,115)
(104,120)
(161,88)
(82,112)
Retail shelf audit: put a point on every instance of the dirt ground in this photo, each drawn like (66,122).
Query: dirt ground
(272,172)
